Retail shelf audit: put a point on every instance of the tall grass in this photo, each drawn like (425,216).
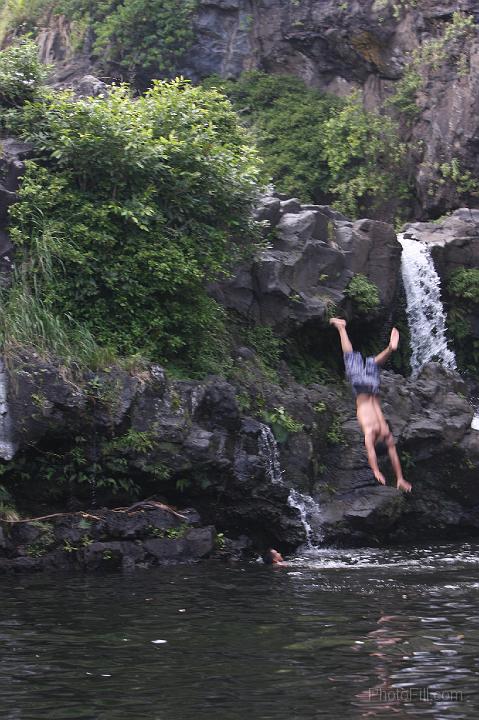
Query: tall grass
(27,321)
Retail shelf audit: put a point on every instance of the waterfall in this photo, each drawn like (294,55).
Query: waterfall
(7,446)
(268,450)
(425,312)
(305,504)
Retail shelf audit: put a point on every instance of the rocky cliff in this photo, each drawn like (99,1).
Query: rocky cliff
(373,46)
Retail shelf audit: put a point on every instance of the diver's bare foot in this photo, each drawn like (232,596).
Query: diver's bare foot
(337,322)
(380,478)
(394,339)
(403,484)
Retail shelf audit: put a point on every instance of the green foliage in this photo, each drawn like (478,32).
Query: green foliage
(464,284)
(318,146)
(171,533)
(307,369)
(265,343)
(146,37)
(44,542)
(133,39)
(139,442)
(463,180)
(21,74)
(27,322)
(133,216)
(407,461)
(364,295)
(463,305)
(449,47)
(282,424)
(334,435)
(364,158)
(287,118)
(404,97)
(220,541)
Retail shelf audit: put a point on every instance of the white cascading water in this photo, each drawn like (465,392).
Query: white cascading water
(306,506)
(424,308)
(268,450)
(425,312)
(308,509)
(7,446)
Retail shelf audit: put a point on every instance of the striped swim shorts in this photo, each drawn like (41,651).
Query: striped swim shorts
(362,374)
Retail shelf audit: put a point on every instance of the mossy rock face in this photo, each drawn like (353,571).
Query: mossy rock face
(143,536)
(371,49)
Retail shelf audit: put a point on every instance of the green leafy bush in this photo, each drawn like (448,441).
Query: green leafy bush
(463,302)
(364,295)
(288,120)
(21,74)
(129,209)
(21,16)
(364,157)
(145,37)
(464,284)
(132,39)
(282,424)
(317,146)
(265,343)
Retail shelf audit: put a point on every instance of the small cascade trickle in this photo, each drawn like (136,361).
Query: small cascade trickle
(7,446)
(305,504)
(308,509)
(425,312)
(268,449)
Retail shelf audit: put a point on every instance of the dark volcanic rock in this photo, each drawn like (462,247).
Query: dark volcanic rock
(307,268)
(454,241)
(139,537)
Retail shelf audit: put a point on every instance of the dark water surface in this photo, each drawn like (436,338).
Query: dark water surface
(343,634)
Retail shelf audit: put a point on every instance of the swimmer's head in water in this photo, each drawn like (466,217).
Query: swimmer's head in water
(272,557)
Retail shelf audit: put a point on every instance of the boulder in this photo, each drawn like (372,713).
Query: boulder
(306,269)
